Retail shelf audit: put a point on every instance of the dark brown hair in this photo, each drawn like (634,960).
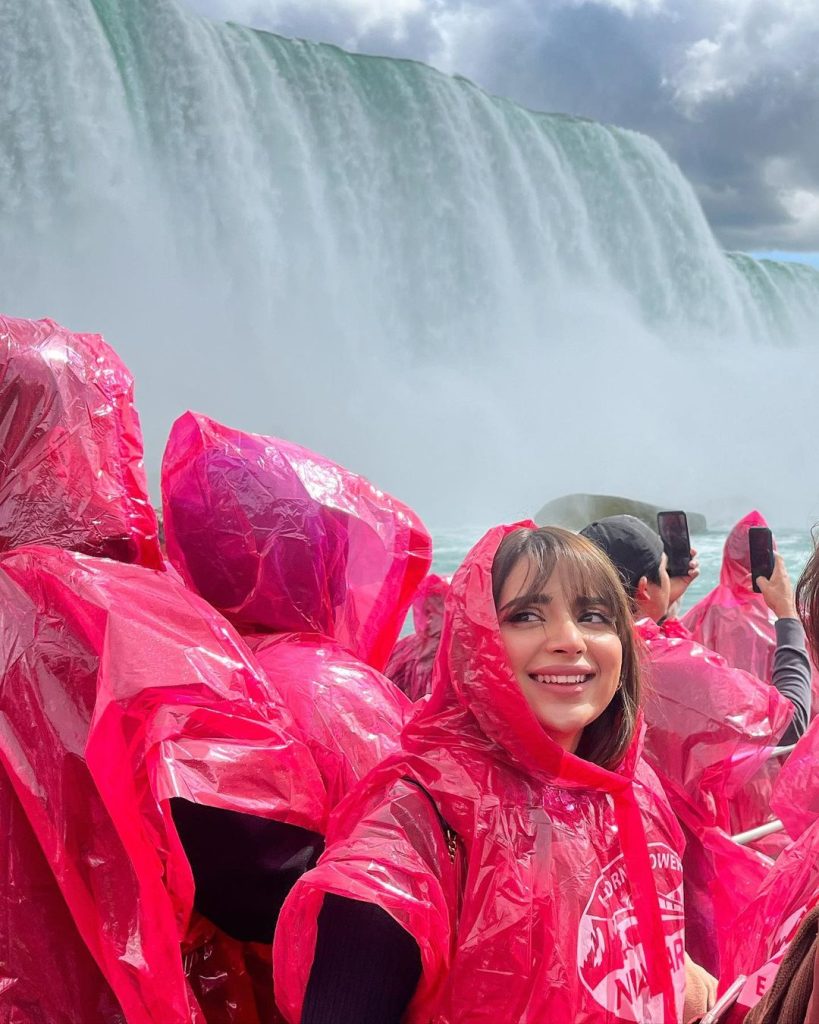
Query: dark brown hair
(807,601)
(588,573)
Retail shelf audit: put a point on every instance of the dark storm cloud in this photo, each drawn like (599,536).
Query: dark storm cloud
(730,88)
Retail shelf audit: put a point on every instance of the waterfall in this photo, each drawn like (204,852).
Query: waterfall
(478,305)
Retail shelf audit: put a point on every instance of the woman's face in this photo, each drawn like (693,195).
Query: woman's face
(564,652)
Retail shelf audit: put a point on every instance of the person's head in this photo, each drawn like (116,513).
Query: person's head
(567,629)
(807,601)
(735,571)
(255,545)
(280,539)
(636,551)
(71,459)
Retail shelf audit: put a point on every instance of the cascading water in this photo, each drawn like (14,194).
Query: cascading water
(477,305)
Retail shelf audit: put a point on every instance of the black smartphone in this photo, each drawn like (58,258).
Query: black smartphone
(760,544)
(673,530)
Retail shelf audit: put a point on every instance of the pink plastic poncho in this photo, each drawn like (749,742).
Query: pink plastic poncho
(349,715)
(47,975)
(568,876)
(767,924)
(305,609)
(410,664)
(282,540)
(121,689)
(734,621)
(795,799)
(711,727)
(71,471)
(710,731)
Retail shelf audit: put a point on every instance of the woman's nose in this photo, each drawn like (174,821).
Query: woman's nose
(564,634)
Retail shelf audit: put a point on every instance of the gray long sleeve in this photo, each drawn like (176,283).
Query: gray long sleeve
(791,675)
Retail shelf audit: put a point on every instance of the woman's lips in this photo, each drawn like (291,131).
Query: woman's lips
(563,678)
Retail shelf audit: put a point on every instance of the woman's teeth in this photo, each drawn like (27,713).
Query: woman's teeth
(561,680)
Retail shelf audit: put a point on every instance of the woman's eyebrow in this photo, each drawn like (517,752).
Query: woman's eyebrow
(534,597)
(590,599)
(586,601)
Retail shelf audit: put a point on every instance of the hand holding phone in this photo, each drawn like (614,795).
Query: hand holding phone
(777,592)
(760,549)
(673,530)
(725,1001)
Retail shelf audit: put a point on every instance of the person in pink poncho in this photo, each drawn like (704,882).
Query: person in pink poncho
(71,469)
(316,568)
(711,727)
(120,693)
(516,861)
(733,619)
(410,664)
(779,921)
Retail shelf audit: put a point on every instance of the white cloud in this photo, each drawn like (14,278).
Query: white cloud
(699,76)
(749,39)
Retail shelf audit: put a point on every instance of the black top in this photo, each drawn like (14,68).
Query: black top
(243,866)
(366,968)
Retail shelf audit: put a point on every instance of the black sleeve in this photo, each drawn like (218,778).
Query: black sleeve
(243,866)
(366,967)
(791,675)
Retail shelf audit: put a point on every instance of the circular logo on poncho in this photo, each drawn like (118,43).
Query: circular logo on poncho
(610,956)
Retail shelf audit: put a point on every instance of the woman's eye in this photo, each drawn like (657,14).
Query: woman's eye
(525,616)
(596,618)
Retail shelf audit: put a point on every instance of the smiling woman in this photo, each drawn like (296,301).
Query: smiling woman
(509,863)
(566,627)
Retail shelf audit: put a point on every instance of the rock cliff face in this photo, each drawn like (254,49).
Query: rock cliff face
(574,511)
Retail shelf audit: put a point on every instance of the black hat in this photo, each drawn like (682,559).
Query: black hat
(634,548)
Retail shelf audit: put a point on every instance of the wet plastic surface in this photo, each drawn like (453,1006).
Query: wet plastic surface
(349,715)
(733,620)
(711,727)
(710,731)
(47,975)
(795,797)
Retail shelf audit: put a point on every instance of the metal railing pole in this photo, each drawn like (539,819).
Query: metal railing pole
(743,838)
(782,751)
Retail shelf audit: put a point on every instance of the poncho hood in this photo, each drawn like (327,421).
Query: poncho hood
(428,606)
(475,691)
(732,619)
(282,540)
(71,469)
(736,559)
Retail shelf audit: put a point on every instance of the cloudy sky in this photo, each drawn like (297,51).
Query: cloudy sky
(729,87)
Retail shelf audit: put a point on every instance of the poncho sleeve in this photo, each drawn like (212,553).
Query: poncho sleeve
(392,854)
